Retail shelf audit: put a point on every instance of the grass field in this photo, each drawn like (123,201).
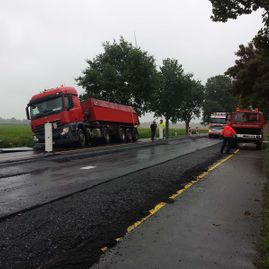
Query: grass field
(20,135)
(15,135)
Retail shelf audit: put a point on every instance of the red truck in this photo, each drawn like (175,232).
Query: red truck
(79,122)
(248,125)
(217,122)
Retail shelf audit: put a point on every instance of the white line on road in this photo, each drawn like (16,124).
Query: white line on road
(88,167)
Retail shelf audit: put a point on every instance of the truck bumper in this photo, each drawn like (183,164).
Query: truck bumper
(59,137)
(249,138)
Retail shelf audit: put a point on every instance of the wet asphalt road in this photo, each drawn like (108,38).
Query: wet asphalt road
(27,185)
(69,232)
(213,225)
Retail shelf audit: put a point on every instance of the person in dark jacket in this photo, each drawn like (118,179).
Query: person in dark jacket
(228,134)
(153,128)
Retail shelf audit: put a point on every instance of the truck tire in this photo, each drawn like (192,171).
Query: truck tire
(258,145)
(121,135)
(135,134)
(82,139)
(106,135)
(129,136)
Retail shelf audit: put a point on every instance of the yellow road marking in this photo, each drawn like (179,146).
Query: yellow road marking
(202,175)
(151,212)
(104,249)
(156,208)
(173,196)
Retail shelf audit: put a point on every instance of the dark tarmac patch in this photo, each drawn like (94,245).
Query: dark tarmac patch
(70,232)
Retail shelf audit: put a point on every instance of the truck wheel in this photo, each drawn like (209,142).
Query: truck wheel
(129,136)
(106,136)
(82,140)
(121,135)
(259,146)
(135,134)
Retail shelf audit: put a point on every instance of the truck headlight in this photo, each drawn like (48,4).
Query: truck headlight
(65,130)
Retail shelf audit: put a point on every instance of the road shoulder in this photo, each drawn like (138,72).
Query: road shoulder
(214,224)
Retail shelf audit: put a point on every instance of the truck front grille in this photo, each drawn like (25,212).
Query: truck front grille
(255,131)
(39,130)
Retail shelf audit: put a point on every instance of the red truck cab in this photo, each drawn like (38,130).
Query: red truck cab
(217,122)
(248,125)
(76,122)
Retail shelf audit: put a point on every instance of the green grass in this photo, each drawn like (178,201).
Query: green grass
(145,132)
(15,135)
(264,260)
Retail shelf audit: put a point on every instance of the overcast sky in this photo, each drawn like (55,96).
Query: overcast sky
(45,43)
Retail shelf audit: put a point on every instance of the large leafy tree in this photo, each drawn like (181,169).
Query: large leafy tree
(167,98)
(251,75)
(123,74)
(218,96)
(191,102)
(231,9)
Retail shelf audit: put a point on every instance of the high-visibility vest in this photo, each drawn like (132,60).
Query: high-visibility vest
(228,131)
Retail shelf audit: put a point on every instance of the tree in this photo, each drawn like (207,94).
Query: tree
(167,98)
(122,74)
(191,102)
(218,96)
(251,75)
(231,9)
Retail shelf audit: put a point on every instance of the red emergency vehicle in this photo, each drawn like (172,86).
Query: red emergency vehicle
(248,125)
(217,122)
(80,122)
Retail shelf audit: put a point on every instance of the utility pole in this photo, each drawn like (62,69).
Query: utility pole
(135,39)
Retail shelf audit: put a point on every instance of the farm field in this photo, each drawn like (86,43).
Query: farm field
(15,135)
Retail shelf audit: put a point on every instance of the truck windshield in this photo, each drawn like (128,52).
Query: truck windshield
(46,107)
(218,120)
(245,117)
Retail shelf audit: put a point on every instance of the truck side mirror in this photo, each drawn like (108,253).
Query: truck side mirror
(27,112)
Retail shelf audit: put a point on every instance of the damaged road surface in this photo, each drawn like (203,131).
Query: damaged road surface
(59,213)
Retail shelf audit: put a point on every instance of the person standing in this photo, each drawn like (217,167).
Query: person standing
(153,128)
(161,129)
(228,133)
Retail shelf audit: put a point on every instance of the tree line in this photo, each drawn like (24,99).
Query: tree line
(129,75)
